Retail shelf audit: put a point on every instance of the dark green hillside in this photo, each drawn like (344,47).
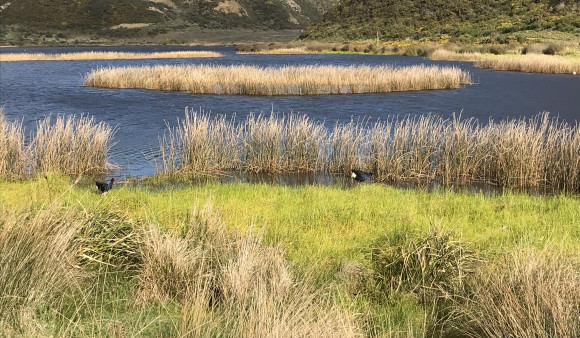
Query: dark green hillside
(77,14)
(462,20)
(26,20)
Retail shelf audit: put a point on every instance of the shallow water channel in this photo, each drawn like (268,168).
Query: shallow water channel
(30,90)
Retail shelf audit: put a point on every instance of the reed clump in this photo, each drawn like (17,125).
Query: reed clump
(289,80)
(233,284)
(539,152)
(70,145)
(13,149)
(37,257)
(527,293)
(106,56)
(532,63)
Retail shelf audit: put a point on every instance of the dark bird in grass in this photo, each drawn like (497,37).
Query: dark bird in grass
(360,176)
(104,186)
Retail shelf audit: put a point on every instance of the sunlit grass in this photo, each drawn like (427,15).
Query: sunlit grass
(199,239)
(540,152)
(105,56)
(529,63)
(288,80)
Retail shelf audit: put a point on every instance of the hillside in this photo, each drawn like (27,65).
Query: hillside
(436,20)
(24,19)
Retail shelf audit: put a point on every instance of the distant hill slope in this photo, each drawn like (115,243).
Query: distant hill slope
(461,20)
(103,16)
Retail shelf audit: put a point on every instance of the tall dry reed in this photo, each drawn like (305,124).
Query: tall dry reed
(105,56)
(37,257)
(13,149)
(71,145)
(532,63)
(288,80)
(527,294)
(538,152)
(234,286)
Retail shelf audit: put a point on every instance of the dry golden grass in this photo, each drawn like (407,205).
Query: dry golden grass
(527,294)
(105,56)
(13,150)
(289,80)
(71,145)
(37,256)
(234,285)
(532,63)
(446,55)
(278,51)
(538,152)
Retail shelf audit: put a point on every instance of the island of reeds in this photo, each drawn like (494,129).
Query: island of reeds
(105,56)
(288,80)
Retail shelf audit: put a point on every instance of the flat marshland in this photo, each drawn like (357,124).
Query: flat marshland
(256,260)
(288,80)
(105,56)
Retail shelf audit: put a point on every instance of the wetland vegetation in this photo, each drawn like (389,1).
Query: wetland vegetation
(105,56)
(288,80)
(243,259)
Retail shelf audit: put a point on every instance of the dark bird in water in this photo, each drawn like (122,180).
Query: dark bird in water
(104,187)
(360,176)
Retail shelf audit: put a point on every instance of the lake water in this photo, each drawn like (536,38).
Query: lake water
(30,90)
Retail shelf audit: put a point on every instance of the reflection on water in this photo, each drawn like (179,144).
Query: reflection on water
(30,90)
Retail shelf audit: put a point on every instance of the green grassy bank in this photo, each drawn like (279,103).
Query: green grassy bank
(339,245)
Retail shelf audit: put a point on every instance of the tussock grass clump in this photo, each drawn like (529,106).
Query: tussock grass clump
(525,294)
(105,56)
(433,266)
(37,257)
(233,284)
(72,145)
(539,152)
(532,63)
(289,80)
(13,149)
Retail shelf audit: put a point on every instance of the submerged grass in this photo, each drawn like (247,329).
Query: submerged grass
(540,152)
(289,80)
(105,56)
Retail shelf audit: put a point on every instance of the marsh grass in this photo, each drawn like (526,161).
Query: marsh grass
(527,293)
(532,63)
(288,80)
(13,149)
(37,257)
(539,152)
(234,284)
(105,56)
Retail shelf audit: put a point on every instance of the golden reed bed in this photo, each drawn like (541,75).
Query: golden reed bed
(289,80)
(105,56)
(529,63)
